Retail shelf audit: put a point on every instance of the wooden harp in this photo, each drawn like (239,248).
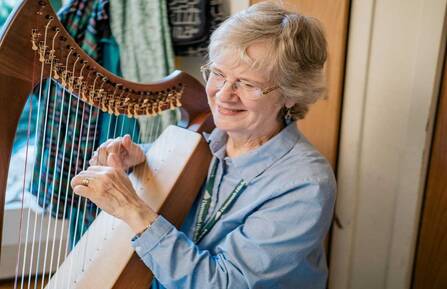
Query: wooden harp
(35,46)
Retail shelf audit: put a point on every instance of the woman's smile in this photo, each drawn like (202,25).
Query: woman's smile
(226,111)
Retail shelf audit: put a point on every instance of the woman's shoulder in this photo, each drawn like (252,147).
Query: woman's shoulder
(303,166)
(303,162)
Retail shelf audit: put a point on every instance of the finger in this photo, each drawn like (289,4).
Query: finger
(102,152)
(114,161)
(93,169)
(115,145)
(79,179)
(82,191)
(102,156)
(107,142)
(93,161)
(127,142)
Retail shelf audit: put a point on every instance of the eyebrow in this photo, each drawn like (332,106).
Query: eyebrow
(239,78)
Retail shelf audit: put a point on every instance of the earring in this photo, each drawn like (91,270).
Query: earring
(288,118)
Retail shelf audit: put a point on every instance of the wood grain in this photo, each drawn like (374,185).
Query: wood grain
(9,284)
(321,125)
(430,270)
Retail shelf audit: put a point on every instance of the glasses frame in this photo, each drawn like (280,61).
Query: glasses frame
(206,68)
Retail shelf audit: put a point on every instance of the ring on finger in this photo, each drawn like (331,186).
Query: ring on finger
(86,181)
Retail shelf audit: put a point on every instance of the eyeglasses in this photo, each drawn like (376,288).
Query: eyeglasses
(245,89)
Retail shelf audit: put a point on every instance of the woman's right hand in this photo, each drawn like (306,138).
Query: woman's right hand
(120,152)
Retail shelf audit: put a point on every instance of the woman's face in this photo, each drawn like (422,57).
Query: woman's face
(236,114)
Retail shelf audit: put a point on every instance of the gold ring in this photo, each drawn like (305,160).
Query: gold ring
(85,182)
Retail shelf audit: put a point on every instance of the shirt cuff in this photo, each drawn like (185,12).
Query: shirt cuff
(144,243)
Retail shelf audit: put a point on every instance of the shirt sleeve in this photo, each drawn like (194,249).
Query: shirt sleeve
(278,246)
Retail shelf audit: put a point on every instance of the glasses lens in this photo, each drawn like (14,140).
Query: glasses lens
(251,93)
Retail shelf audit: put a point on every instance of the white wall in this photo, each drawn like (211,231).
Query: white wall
(395,54)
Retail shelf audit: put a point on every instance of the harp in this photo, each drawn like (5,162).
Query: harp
(35,46)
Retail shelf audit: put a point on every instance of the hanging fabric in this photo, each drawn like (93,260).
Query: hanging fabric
(142,32)
(191,24)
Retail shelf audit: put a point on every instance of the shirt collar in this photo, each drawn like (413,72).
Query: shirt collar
(255,162)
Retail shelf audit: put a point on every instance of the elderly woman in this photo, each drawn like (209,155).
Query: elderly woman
(268,200)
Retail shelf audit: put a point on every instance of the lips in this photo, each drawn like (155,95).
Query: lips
(228,111)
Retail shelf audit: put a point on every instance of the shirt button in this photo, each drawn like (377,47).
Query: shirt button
(138,249)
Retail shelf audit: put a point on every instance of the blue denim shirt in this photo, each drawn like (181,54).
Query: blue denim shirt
(272,237)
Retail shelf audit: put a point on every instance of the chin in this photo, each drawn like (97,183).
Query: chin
(226,125)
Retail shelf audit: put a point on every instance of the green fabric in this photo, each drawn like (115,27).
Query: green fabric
(142,32)
(5,9)
(56,4)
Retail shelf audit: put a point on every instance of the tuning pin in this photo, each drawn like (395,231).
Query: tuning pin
(135,109)
(52,55)
(55,75)
(34,46)
(149,110)
(83,95)
(129,112)
(160,106)
(116,112)
(41,57)
(110,105)
(103,105)
(177,102)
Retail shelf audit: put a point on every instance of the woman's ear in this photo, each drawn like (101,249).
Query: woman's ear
(289,103)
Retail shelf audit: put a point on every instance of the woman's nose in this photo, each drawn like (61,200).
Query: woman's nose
(227,91)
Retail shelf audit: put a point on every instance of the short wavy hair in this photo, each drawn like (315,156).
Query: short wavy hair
(296,47)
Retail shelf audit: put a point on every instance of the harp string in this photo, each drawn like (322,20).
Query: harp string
(92,92)
(43,51)
(67,245)
(25,172)
(116,121)
(62,158)
(94,141)
(94,138)
(44,136)
(52,187)
(71,216)
(48,189)
(85,166)
(79,197)
(108,133)
(111,226)
(64,213)
(54,179)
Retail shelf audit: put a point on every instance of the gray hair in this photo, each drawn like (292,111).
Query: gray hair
(296,48)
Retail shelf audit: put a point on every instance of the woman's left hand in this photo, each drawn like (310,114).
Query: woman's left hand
(111,190)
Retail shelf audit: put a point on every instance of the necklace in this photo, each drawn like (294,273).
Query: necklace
(201,228)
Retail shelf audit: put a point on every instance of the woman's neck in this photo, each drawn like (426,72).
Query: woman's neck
(238,144)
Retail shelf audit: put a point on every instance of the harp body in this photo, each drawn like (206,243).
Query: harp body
(34,46)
